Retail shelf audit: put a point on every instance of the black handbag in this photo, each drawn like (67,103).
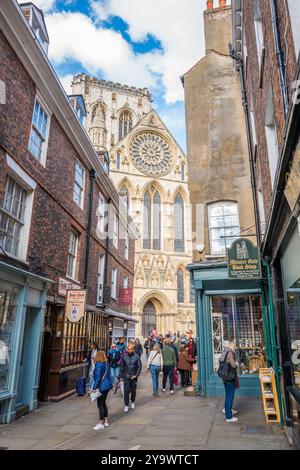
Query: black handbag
(226,372)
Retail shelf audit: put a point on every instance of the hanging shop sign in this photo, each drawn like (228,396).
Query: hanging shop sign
(292,189)
(126,296)
(75,305)
(243,260)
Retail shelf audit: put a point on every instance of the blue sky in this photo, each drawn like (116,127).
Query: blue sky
(136,42)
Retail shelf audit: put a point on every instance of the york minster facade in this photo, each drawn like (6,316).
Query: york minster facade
(150,172)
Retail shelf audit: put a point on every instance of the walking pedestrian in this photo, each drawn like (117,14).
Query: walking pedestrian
(91,364)
(184,366)
(172,345)
(148,345)
(169,364)
(155,364)
(131,368)
(103,383)
(138,348)
(121,346)
(228,373)
(114,357)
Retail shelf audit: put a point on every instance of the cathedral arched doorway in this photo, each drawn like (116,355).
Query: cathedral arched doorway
(149,319)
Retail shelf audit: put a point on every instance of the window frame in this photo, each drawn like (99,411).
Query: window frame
(45,138)
(182,241)
(101,213)
(74,256)
(114,282)
(224,227)
(150,243)
(79,203)
(115,231)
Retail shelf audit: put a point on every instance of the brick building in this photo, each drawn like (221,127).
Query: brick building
(57,206)
(266,41)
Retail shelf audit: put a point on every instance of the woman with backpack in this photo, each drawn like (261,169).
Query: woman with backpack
(114,360)
(103,383)
(184,366)
(228,371)
(155,365)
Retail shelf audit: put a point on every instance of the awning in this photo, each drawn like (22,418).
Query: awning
(123,316)
(22,272)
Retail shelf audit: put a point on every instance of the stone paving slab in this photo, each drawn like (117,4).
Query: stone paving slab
(168,422)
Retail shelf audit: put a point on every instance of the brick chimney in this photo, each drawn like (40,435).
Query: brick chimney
(210,4)
(218,26)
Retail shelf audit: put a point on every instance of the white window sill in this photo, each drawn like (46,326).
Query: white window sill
(17,258)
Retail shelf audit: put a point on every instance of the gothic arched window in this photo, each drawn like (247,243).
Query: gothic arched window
(179,224)
(180,286)
(152,220)
(124,196)
(125,124)
(118,161)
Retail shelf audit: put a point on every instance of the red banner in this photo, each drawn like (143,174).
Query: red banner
(126,296)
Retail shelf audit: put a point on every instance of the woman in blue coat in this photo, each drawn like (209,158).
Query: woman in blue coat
(103,382)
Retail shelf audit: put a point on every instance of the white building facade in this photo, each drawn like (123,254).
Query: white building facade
(150,172)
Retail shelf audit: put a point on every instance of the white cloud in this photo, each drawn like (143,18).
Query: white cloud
(176,23)
(74,37)
(66,82)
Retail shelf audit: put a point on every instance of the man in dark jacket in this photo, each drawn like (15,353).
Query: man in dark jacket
(149,345)
(131,368)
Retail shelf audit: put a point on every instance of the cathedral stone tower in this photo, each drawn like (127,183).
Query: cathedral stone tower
(150,171)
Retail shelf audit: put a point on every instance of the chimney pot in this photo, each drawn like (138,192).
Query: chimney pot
(210,4)
(222,3)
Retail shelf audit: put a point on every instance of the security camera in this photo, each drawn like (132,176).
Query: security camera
(200,248)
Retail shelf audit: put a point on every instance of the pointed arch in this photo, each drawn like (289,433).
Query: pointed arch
(179,223)
(125,192)
(125,123)
(180,285)
(152,203)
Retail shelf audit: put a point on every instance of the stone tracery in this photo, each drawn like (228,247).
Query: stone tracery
(151,153)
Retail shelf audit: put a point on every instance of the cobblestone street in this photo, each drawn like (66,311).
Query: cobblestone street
(168,422)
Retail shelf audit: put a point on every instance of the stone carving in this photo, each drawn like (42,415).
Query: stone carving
(151,154)
(155,280)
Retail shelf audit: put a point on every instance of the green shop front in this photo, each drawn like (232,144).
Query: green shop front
(228,309)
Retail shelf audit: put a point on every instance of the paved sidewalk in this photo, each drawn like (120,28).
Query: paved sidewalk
(168,422)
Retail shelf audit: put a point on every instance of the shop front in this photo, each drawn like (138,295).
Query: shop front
(120,325)
(290,332)
(231,310)
(22,309)
(69,346)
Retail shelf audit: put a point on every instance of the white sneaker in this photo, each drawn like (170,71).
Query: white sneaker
(106,424)
(172,392)
(126,409)
(132,406)
(232,420)
(163,390)
(98,427)
(234,412)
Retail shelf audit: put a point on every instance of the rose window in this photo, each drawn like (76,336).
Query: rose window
(151,154)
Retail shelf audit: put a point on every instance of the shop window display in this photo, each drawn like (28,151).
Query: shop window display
(74,340)
(7,322)
(239,319)
(294,327)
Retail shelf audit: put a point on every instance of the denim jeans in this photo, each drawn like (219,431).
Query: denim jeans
(230,391)
(91,379)
(115,373)
(155,371)
(168,371)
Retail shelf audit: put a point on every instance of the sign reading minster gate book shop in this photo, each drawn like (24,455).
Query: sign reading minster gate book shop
(243,260)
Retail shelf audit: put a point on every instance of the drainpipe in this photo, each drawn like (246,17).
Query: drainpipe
(106,254)
(273,339)
(89,228)
(240,65)
(279,55)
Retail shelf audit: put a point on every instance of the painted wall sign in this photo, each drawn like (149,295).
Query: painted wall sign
(126,296)
(292,189)
(63,285)
(243,261)
(75,305)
